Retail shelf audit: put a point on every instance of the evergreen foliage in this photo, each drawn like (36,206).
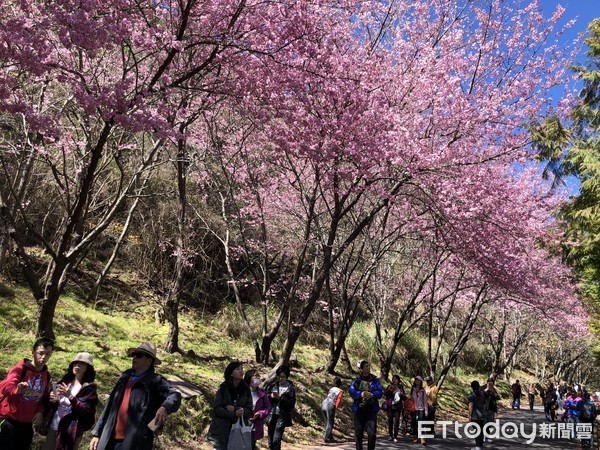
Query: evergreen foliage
(573,149)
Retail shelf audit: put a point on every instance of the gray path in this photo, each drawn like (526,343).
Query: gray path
(452,442)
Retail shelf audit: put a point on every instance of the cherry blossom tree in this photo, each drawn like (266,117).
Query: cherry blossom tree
(507,331)
(80,81)
(347,109)
(435,96)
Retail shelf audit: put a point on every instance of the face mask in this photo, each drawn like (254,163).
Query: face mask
(256,382)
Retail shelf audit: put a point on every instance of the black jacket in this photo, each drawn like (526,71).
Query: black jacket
(286,404)
(147,395)
(220,426)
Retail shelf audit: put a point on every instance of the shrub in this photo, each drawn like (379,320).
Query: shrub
(361,341)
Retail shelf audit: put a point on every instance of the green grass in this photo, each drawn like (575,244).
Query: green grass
(107,337)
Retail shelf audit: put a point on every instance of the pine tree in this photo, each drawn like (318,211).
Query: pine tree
(574,150)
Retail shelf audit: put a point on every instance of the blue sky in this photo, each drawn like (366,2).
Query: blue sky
(582,10)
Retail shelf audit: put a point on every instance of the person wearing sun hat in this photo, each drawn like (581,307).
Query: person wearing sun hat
(74,401)
(138,405)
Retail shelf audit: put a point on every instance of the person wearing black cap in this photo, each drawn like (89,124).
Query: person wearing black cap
(477,408)
(491,399)
(232,401)
(138,405)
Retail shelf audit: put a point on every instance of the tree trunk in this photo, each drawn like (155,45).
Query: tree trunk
(464,335)
(173,300)
(296,326)
(327,260)
(346,359)
(172,317)
(339,351)
(4,247)
(45,318)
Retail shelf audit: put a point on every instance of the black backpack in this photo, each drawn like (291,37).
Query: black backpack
(550,398)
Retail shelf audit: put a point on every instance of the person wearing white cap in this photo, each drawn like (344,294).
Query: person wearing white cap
(138,405)
(74,401)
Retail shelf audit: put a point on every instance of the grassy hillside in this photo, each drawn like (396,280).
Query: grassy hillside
(210,342)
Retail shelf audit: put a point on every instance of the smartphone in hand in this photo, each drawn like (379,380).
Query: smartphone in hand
(154,427)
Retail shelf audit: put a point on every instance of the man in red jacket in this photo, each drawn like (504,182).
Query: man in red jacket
(24,396)
(138,405)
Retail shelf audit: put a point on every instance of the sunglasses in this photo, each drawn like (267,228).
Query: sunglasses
(139,355)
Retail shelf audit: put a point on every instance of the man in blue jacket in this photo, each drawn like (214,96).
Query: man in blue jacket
(366,390)
(137,406)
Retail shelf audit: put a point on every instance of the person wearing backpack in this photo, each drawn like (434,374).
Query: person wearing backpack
(329,406)
(491,401)
(366,390)
(517,393)
(282,396)
(587,414)
(571,405)
(24,397)
(137,406)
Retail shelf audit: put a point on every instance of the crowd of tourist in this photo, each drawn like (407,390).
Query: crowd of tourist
(141,401)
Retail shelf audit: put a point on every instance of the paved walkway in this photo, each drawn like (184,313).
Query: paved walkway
(529,419)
